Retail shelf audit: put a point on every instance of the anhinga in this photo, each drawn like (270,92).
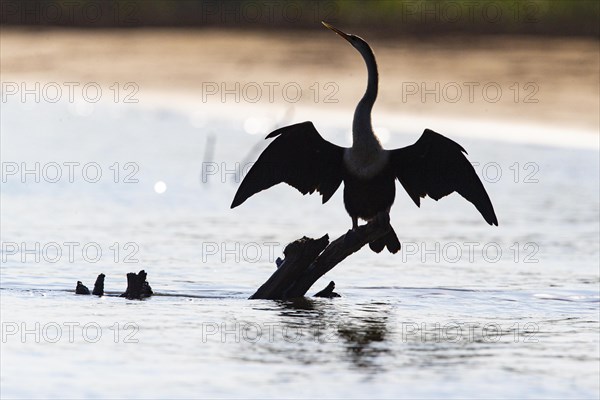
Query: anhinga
(299,156)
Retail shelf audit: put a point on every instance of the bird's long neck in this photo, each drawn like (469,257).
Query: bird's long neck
(363,136)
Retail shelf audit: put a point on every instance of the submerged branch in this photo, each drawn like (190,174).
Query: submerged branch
(306,260)
(137,286)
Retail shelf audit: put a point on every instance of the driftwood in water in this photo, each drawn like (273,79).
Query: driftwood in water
(328,291)
(137,286)
(99,286)
(81,288)
(306,260)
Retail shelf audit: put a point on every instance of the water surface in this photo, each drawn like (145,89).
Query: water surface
(465,310)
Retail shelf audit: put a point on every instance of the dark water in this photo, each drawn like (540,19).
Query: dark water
(465,310)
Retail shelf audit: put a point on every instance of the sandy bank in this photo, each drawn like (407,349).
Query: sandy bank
(551,81)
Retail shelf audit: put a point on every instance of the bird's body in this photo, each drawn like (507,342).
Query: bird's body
(300,157)
(359,189)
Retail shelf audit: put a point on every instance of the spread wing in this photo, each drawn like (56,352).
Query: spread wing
(298,156)
(435,166)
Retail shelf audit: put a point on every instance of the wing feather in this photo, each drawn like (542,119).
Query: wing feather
(435,166)
(298,156)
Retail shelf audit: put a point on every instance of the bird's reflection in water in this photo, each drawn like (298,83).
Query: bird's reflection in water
(301,303)
(325,332)
(370,337)
(365,341)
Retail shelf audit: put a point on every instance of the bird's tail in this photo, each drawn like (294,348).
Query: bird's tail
(390,240)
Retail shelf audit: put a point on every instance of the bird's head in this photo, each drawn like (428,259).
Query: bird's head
(357,42)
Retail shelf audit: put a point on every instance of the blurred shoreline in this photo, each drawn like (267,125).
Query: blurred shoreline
(509,79)
(384,18)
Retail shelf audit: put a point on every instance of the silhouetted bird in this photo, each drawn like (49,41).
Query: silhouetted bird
(434,166)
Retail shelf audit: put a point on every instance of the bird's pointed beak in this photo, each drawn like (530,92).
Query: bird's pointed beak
(336,30)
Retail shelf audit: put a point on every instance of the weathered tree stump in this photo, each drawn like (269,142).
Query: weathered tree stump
(81,288)
(99,286)
(137,286)
(306,260)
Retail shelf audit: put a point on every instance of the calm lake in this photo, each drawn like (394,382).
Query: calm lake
(464,310)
